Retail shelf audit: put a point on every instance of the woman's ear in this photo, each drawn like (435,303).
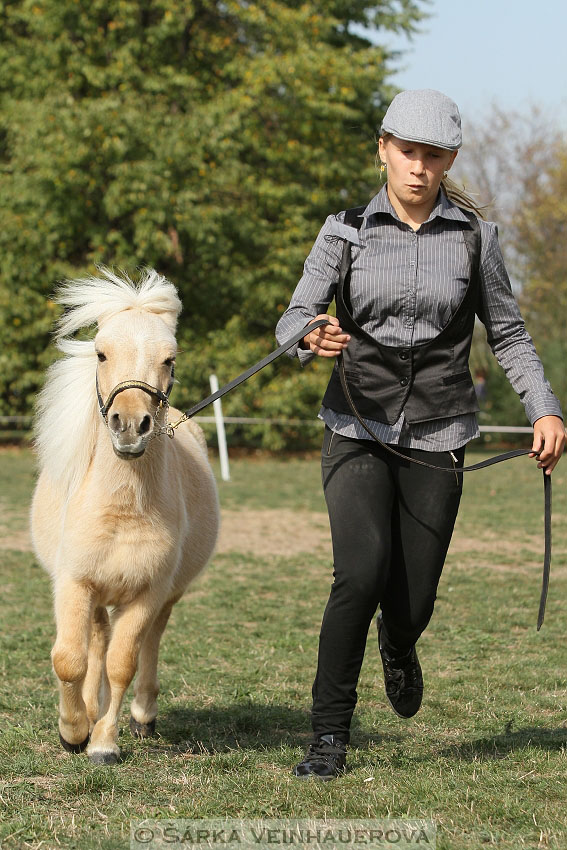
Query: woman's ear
(382,150)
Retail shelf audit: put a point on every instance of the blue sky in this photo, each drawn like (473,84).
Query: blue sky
(511,52)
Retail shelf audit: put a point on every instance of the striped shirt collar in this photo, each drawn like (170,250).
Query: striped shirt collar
(444,208)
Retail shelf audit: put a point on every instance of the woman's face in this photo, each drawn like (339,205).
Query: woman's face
(415,171)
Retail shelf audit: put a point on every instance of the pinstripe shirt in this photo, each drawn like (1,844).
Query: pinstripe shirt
(405,286)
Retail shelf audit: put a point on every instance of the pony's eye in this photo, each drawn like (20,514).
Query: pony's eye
(101,356)
(169,362)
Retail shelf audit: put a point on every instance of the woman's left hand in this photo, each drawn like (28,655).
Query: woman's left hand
(549,442)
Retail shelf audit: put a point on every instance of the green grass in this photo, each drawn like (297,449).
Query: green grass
(485,758)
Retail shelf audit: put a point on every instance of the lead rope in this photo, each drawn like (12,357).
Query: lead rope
(169,429)
(472,468)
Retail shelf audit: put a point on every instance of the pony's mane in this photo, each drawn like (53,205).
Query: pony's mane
(67,416)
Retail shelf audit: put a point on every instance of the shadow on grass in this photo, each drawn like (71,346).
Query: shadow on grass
(242,726)
(499,746)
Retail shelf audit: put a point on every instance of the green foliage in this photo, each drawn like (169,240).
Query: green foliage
(542,248)
(206,139)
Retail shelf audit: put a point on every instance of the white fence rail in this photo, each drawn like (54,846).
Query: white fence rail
(25,422)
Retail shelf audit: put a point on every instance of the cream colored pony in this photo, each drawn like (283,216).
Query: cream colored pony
(121,521)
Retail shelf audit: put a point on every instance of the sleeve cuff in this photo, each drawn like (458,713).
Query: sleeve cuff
(544,407)
(305,357)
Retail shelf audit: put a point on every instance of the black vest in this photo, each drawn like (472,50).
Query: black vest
(427,381)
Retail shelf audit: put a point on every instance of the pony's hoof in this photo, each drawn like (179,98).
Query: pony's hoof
(74,748)
(104,757)
(142,730)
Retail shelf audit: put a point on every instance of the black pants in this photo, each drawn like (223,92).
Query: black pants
(391,525)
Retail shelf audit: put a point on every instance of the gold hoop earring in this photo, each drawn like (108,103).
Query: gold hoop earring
(383,168)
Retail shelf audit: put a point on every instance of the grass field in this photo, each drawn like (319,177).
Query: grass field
(485,758)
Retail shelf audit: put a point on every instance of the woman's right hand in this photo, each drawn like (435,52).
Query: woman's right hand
(326,341)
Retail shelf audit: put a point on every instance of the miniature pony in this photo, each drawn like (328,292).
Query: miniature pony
(123,518)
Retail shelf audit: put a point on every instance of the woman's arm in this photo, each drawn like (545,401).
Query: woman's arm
(313,294)
(514,349)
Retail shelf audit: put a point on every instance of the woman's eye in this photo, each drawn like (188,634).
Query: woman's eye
(101,356)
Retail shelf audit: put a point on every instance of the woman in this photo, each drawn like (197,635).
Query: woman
(422,264)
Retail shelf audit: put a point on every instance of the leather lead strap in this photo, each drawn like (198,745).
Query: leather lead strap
(472,468)
(253,369)
(547,555)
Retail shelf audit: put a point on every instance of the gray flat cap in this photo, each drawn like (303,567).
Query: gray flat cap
(425,116)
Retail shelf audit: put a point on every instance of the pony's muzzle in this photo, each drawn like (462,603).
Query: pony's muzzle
(130,432)
(131,426)
(119,426)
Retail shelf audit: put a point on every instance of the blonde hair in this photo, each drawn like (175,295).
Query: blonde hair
(461,198)
(457,194)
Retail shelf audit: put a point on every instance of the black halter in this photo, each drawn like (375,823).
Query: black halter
(104,406)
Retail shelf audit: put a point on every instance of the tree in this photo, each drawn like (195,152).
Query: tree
(542,249)
(520,174)
(207,139)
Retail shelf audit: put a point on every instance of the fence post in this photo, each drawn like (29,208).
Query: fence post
(221,435)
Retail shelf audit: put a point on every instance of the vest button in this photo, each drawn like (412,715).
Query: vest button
(404,382)
(403,354)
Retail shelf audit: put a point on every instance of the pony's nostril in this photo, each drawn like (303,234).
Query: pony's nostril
(114,423)
(145,424)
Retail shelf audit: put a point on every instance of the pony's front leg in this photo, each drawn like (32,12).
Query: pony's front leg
(73,611)
(95,686)
(128,628)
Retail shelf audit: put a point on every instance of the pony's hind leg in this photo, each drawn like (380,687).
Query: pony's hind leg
(73,610)
(146,687)
(95,687)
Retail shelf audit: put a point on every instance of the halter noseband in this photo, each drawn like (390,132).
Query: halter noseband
(104,406)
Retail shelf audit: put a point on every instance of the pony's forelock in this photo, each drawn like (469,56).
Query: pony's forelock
(92,300)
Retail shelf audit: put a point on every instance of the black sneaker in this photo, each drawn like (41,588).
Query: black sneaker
(325,759)
(403,680)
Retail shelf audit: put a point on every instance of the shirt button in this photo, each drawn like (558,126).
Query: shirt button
(403,354)
(404,382)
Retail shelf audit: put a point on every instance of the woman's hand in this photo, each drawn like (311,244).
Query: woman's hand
(326,341)
(549,442)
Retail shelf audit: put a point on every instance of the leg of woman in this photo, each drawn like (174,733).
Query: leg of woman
(422,524)
(359,490)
